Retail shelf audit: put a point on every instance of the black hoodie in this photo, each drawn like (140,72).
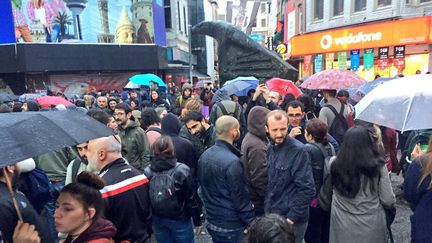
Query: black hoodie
(183,148)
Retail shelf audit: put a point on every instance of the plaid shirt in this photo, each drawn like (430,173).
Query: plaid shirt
(19,18)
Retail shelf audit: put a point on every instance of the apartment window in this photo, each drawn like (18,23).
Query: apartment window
(382,3)
(359,5)
(179,17)
(185,21)
(338,7)
(263,8)
(300,18)
(263,23)
(318,9)
(167,8)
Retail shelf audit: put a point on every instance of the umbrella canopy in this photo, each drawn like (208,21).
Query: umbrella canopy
(131,85)
(48,101)
(29,96)
(145,79)
(28,134)
(333,79)
(369,86)
(403,104)
(283,87)
(5,97)
(240,86)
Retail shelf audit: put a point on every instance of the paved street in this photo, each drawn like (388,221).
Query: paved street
(401,226)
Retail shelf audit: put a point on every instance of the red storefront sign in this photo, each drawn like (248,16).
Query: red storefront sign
(307,62)
(383,63)
(399,63)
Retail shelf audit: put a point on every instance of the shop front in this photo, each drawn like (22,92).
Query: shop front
(385,48)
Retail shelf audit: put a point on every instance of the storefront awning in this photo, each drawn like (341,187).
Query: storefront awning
(398,32)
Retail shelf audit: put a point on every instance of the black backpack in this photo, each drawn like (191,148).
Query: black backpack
(236,113)
(163,194)
(328,152)
(339,125)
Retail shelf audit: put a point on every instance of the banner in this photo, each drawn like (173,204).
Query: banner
(329,61)
(342,59)
(307,62)
(368,58)
(355,59)
(91,21)
(399,63)
(399,52)
(383,53)
(318,63)
(383,63)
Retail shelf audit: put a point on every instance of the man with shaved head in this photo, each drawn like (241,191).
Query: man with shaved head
(223,189)
(126,190)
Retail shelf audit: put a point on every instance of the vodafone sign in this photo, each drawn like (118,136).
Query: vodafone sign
(327,40)
(391,33)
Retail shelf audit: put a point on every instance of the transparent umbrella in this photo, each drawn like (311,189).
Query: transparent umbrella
(403,104)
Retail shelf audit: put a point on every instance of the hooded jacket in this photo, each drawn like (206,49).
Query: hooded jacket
(254,150)
(32,105)
(182,99)
(135,145)
(185,190)
(183,148)
(100,229)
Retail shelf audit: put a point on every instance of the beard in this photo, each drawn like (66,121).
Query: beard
(277,140)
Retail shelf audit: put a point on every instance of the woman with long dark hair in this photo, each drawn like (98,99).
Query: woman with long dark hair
(418,192)
(79,211)
(361,189)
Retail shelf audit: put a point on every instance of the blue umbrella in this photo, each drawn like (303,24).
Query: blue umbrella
(369,86)
(145,79)
(240,86)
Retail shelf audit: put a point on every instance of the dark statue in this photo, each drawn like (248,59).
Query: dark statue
(239,55)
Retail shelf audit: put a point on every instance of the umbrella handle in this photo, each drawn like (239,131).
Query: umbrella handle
(12,194)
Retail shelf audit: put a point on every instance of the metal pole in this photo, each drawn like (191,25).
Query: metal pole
(190,41)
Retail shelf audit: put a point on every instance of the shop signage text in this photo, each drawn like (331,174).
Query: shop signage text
(327,40)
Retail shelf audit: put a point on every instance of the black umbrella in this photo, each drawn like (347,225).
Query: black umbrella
(28,134)
(5,97)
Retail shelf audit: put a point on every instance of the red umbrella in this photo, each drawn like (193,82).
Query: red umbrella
(283,87)
(48,101)
(333,79)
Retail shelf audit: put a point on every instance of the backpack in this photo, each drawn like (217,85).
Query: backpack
(339,125)
(163,195)
(39,188)
(328,152)
(236,113)
(75,167)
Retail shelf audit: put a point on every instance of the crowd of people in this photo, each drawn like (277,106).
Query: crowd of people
(261,168)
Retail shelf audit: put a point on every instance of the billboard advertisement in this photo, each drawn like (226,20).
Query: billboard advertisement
(6,22)
(87,21)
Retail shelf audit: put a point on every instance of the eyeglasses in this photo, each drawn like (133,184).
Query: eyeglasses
(297,115)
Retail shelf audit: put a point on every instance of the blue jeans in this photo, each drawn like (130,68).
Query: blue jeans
(170,230)
(48,211)
(55,33)
(226,237)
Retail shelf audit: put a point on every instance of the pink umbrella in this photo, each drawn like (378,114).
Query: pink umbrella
(283,87)
(333,79)
(48,101)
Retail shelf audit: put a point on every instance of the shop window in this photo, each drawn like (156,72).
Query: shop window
(382,3)
(179,17)
(338,7)
(167,8)
(185,21)
(263,8)
(318,9)
(359,5)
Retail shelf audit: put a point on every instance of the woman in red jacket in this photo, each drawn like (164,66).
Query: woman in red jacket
(79,209)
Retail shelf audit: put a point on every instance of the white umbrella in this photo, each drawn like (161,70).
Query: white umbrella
(131,85)
(403,104)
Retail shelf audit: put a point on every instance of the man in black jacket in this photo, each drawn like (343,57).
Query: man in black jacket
(8,214)
(126,190)
(223,189)
(291,185)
